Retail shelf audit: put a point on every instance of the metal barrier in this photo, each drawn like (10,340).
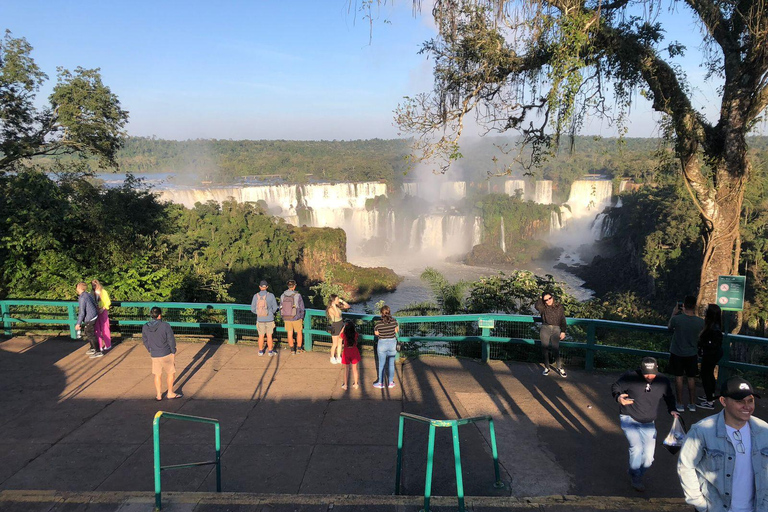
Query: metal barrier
(454,426)
(156,436)
(485,337)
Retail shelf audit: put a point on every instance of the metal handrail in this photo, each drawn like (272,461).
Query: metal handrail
(590,345)
(156,437)
(454,426)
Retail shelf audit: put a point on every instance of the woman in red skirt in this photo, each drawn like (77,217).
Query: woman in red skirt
(351,354)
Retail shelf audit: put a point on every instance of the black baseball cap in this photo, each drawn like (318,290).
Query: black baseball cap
(263,283)
(649,366)
(737,388)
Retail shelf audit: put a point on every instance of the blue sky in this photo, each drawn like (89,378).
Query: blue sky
(259,69)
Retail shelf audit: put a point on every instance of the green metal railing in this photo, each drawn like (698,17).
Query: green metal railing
(456,335)
(454,426)
(156,436)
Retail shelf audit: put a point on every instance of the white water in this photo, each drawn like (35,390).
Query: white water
(539,192)
(581,218)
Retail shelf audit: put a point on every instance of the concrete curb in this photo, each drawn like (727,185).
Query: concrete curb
(349,500)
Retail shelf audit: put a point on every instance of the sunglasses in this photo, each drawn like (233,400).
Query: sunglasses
(739,443)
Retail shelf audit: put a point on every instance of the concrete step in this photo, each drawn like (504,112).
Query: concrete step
(114,501)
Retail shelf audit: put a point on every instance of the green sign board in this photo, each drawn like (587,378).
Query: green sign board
(485,323)
(730,292)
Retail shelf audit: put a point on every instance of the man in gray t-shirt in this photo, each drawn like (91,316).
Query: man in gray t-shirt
(683,355)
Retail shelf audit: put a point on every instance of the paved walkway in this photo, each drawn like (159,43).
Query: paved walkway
(80,425)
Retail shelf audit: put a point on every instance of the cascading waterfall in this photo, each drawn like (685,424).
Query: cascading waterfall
(514,187)
(543,193)
(503,243)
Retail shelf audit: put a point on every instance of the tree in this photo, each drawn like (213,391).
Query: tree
(83,117)
(541,67)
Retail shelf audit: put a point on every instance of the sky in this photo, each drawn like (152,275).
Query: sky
(250,69)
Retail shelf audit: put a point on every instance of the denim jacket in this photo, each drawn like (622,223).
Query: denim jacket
(707,460)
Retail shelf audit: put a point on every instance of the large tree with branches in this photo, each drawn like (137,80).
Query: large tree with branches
(541,67)
(82,117)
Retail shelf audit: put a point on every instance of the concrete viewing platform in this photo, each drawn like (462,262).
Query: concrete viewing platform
(76,433)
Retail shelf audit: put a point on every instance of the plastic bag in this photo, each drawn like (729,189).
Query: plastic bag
(674,440)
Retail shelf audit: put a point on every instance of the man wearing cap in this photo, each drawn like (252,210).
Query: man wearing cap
(639,393)
(723,464)
(264,307)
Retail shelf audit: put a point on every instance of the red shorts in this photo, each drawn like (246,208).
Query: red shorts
(350,355)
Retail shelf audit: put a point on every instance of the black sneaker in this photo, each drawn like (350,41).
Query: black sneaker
(706,404)
(545,372)
(293,351)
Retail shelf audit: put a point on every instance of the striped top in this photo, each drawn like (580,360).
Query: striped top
(385,330)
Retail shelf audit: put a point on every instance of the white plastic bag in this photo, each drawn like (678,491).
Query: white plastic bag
(674,440)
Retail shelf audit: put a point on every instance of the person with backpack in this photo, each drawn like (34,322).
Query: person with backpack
(264,306)
(292,312)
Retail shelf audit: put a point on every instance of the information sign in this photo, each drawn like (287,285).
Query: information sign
(730,292)
(485,323)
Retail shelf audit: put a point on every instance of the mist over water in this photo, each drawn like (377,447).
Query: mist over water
(420,225)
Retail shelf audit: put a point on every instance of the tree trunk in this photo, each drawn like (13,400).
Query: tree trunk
(722,239)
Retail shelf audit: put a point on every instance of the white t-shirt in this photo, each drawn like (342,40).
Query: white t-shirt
(743,490)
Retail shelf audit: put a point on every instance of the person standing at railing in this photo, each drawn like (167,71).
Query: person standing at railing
(160,342)
(86,319)
(351,354)
(264,306)
(711,351)
(386,329)
(639,392)
(103,303)
(333,312)
(684,350)
(553,326)
(292,312)
(723,461)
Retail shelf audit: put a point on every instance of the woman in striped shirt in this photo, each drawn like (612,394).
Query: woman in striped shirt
(386,329)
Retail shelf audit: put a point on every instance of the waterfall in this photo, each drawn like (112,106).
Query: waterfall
(511,188)
(554,222)
(543,193)
(589,197)
(453,191)
(477,231)
(503,241)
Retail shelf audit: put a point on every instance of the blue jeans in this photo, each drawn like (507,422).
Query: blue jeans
(642,444)
(387,352)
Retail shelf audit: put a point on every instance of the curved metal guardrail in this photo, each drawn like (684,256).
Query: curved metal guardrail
(156,438)
(454,426)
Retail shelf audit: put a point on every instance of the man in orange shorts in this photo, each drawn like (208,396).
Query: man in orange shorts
(159,340)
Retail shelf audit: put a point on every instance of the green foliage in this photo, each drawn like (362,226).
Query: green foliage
(449,297)
(83,119)
(515,293)
(322,291)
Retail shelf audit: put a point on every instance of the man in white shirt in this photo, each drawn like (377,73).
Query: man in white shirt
(723,460)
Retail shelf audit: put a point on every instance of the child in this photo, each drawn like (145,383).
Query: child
(351,354)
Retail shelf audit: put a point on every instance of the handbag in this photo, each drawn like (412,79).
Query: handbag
(398,345)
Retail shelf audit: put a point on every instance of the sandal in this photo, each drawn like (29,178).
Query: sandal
(174,397)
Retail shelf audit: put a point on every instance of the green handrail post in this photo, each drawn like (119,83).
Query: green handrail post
(430,460)
(399,454)
(231,336)
(457,466)
(589,363)
(454,425)
(486,345)
(5,309)
(307,333)
(156,441)
(72,320)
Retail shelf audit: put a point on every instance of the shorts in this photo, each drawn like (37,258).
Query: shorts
(165,364)
(265,328)
(336,328)
(350,355)
(683,365)
(293,325)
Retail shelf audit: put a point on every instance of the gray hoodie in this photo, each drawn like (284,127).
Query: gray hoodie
(158,338)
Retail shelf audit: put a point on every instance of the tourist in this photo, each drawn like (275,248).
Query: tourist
(711,351)
(386,329)
(553,326)
(333,312)
(292,312)
(683,351)
(264,306)
(351,354)
(103,302)
(87,315)
(639,392)
(722,464)
(161,344)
